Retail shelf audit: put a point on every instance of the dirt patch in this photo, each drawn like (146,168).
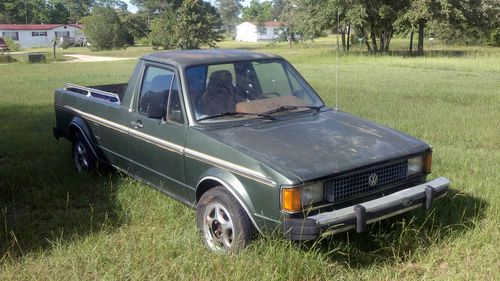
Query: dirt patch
(88,58)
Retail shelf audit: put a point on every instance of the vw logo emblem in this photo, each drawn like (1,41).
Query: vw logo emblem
(373,179)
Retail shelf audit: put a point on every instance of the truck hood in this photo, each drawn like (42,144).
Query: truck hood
(319,145)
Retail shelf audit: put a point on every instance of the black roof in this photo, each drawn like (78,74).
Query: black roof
(186,58)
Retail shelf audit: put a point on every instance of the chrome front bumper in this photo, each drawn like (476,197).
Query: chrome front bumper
(358,216)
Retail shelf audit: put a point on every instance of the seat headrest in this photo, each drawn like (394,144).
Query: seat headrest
(220,78)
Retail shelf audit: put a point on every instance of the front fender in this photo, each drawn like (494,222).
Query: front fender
(233,185)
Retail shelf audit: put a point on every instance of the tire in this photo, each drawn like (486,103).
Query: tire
(223,224)
(83,157)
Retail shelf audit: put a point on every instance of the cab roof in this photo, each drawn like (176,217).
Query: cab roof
(187,58)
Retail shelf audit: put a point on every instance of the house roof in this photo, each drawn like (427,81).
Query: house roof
(33,26)
(272,23)
(186,58)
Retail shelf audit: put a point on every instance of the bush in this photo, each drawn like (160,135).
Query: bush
(104,30)
(6,58)
(11,44)
(66,45)
(144,41)
(495,38)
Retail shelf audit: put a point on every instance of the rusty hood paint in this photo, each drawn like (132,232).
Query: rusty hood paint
(319,145)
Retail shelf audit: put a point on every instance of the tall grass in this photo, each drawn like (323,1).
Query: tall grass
(56,224)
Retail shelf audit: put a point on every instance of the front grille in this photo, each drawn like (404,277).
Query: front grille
(358,183)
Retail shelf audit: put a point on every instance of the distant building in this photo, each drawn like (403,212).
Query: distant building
(252,32)
(41,35)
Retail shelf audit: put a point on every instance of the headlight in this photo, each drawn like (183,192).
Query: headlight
(312,193)
(295,198)
(415,165)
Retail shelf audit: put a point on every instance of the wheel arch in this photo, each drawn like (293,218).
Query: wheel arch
(79,125)
(230,182)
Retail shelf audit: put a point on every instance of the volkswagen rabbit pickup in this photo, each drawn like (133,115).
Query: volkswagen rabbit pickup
(242,137)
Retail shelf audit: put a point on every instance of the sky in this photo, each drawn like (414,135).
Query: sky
(133,8)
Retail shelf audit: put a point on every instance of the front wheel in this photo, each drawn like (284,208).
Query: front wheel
(222,222)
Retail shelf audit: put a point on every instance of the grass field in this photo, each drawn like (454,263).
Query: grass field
(56,224)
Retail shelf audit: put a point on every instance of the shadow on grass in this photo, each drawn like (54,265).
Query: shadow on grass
(42,199)
(398,238)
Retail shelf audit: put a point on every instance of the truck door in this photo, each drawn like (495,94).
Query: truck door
(158,130)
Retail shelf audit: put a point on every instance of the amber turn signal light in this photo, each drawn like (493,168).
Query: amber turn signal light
(290,199)
(428,162)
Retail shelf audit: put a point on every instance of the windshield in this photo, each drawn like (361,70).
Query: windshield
(222,92)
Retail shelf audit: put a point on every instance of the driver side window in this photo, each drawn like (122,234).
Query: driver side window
(153,98)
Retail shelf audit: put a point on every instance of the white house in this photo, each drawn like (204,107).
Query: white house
(252,32)
(40,35)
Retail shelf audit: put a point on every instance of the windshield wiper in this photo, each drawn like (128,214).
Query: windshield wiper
(224,114)
(291,107)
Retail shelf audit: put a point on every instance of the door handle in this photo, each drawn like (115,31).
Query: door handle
(137,124)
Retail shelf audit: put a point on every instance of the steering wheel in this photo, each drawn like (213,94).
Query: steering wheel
(268,95)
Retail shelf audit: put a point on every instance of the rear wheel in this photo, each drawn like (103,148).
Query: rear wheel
(83,156)
(222,222)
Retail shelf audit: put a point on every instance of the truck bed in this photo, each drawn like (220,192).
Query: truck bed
(111,92)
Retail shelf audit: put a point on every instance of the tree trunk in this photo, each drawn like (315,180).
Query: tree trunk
(411,42)
(382,41)
(348,37)
(342,34)
(365,39)
(388,40)
(420,46)
(374,41)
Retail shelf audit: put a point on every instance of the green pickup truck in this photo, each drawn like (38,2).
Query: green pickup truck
(244,139)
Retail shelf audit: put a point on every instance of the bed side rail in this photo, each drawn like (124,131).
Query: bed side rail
(94,93)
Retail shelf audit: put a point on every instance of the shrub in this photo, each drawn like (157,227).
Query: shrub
(6,58)
(144,41)
(66,45)
(104,30)
(495,38)
(11,44)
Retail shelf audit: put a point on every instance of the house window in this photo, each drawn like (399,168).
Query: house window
(14,35)
(62,33)
(262,31)
(39,33)
(276,31)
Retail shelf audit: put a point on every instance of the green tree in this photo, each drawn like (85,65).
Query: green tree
(199,25)
(23,11)
(373,20)
(194,24)
(278,6)
(104,29)
(464,21)
(164,33)
(257,12)
(57,12)
(229,11)
(156,7)
(78,9)
(135,23)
